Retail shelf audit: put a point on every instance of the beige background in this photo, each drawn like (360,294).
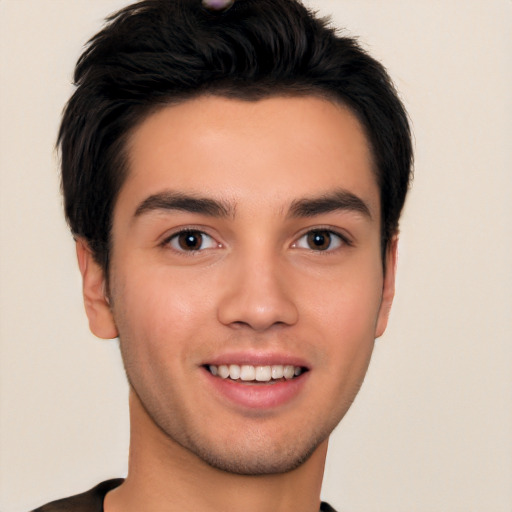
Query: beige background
(431,430)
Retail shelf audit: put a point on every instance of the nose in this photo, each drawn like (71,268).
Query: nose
(257,295)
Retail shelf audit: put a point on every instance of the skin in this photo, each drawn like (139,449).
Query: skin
(255,286)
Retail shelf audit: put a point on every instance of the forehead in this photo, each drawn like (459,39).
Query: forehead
(255,153)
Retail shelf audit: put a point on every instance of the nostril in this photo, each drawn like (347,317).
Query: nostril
(239,325)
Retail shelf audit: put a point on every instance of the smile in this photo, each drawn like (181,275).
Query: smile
(249,373)
(270,381)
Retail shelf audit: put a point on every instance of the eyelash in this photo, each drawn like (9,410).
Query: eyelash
(340,240)
(174,238)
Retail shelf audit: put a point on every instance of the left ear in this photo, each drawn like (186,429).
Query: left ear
(388,287)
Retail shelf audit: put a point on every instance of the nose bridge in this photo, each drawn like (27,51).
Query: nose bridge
(256,292)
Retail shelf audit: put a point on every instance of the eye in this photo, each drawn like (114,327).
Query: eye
(320,240)
(191,240)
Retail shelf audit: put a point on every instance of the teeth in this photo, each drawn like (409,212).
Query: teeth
(289,372)
(263,373)
(248,373)
(277,371)
(234,371)
(223,371)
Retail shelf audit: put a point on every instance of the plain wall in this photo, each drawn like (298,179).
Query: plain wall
(431,430)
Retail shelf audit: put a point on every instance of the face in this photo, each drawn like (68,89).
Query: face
(246,279)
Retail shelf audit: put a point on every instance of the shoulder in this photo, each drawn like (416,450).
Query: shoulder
(90,501)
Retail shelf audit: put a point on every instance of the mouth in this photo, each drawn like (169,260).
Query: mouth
(249,374)
(256,382)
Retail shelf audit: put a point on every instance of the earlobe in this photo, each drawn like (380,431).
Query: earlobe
(97,307)
(388,288)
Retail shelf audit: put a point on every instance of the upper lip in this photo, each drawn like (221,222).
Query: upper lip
(255,358)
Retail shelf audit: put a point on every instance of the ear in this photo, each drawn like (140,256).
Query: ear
(388,287)
(97,307)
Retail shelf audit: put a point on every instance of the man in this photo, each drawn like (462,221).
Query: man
(233,174)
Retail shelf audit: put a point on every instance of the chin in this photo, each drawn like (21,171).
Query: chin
(256,464)
(257,454)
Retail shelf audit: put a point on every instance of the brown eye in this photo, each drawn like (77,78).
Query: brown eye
(192,240)
(319,240)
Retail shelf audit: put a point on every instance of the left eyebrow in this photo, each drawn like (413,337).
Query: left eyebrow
(339,200)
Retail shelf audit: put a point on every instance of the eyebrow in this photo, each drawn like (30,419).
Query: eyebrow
(338,200)
(169,200)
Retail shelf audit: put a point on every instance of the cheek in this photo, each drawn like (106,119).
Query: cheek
(164,293)
(348,302)
(345,311)
(157,312)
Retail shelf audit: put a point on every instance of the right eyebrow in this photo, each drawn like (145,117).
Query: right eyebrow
(170,200)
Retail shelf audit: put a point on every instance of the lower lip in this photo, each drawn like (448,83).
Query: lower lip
(257,396)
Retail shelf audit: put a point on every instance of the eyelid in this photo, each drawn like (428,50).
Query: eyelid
(344,240)
(169,238)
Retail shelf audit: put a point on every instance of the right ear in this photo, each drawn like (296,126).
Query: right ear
(97,306)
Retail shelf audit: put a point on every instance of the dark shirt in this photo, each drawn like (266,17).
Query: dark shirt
(92,501)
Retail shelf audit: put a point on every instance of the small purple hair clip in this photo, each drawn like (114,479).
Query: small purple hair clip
(217,5)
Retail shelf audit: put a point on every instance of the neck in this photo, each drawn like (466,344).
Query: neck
(165,477)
